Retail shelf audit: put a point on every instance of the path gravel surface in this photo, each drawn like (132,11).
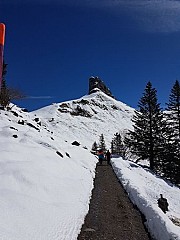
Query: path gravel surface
(111,215)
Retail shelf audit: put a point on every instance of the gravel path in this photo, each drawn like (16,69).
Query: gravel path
(111,215)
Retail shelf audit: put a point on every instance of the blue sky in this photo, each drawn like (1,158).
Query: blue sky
(52,47)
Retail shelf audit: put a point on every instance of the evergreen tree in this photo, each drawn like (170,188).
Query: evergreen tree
(102,144)
(174,108)
(169,167)
(172,170)
(7,94)
(117,146)
(94,148)
(147,138)
(4,92)
(112,147)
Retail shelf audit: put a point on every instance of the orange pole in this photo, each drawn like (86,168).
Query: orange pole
(2,38)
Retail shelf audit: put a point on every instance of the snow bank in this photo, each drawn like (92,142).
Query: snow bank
(43,195)
(144,189)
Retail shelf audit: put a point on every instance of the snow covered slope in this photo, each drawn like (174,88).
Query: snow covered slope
(45,181)
(85,119)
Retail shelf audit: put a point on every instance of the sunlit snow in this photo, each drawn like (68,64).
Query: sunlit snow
(46,182)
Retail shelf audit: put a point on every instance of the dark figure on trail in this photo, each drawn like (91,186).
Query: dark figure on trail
(100,156)
(163,204)
(108,157)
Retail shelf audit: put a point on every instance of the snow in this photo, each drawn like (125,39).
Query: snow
(44,195)
(144,189)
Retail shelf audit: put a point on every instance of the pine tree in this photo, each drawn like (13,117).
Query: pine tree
(174,108)
(4,92)
(117,146)
(172,170)
(169,163)
(94,148)
(7,94)
(147,138)
(112,147)
(102,144)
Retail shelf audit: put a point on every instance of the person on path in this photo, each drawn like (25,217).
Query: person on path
(100,156)
(108,157)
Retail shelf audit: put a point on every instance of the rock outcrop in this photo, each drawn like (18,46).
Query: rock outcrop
(96,84)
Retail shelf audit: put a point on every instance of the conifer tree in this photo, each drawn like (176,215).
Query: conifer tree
(102,144)
(112,147)
(94,148)
(4,92)
(147,138)
(7,94)
(117,146)
(172,170)
(169,166)
(174,108)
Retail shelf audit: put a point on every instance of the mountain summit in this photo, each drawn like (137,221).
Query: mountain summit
(86,118)
(96,84)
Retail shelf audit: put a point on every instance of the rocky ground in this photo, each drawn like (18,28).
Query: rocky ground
(111,215)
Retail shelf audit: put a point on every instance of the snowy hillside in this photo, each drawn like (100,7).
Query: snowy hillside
(45,180)
(86,118)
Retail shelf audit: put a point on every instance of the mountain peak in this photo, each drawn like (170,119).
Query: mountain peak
(96,84)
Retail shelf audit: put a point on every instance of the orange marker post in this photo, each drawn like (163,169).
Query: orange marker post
(2,38)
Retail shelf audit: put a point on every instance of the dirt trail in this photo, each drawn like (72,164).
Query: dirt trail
(111,215)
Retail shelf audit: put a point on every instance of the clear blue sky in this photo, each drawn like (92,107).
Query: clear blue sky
(52,47)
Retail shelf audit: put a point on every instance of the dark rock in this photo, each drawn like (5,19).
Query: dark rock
(14,128)
(31,125)
(80,112)
(75,143)
(83,101)
(8,108)
(51,120)
(64,105)
(60,154)
(36,119)
(24,110)
(15,113)
(96,83)
(114,107)
(63,110)
(21,122)
(15,136)
(67,154)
